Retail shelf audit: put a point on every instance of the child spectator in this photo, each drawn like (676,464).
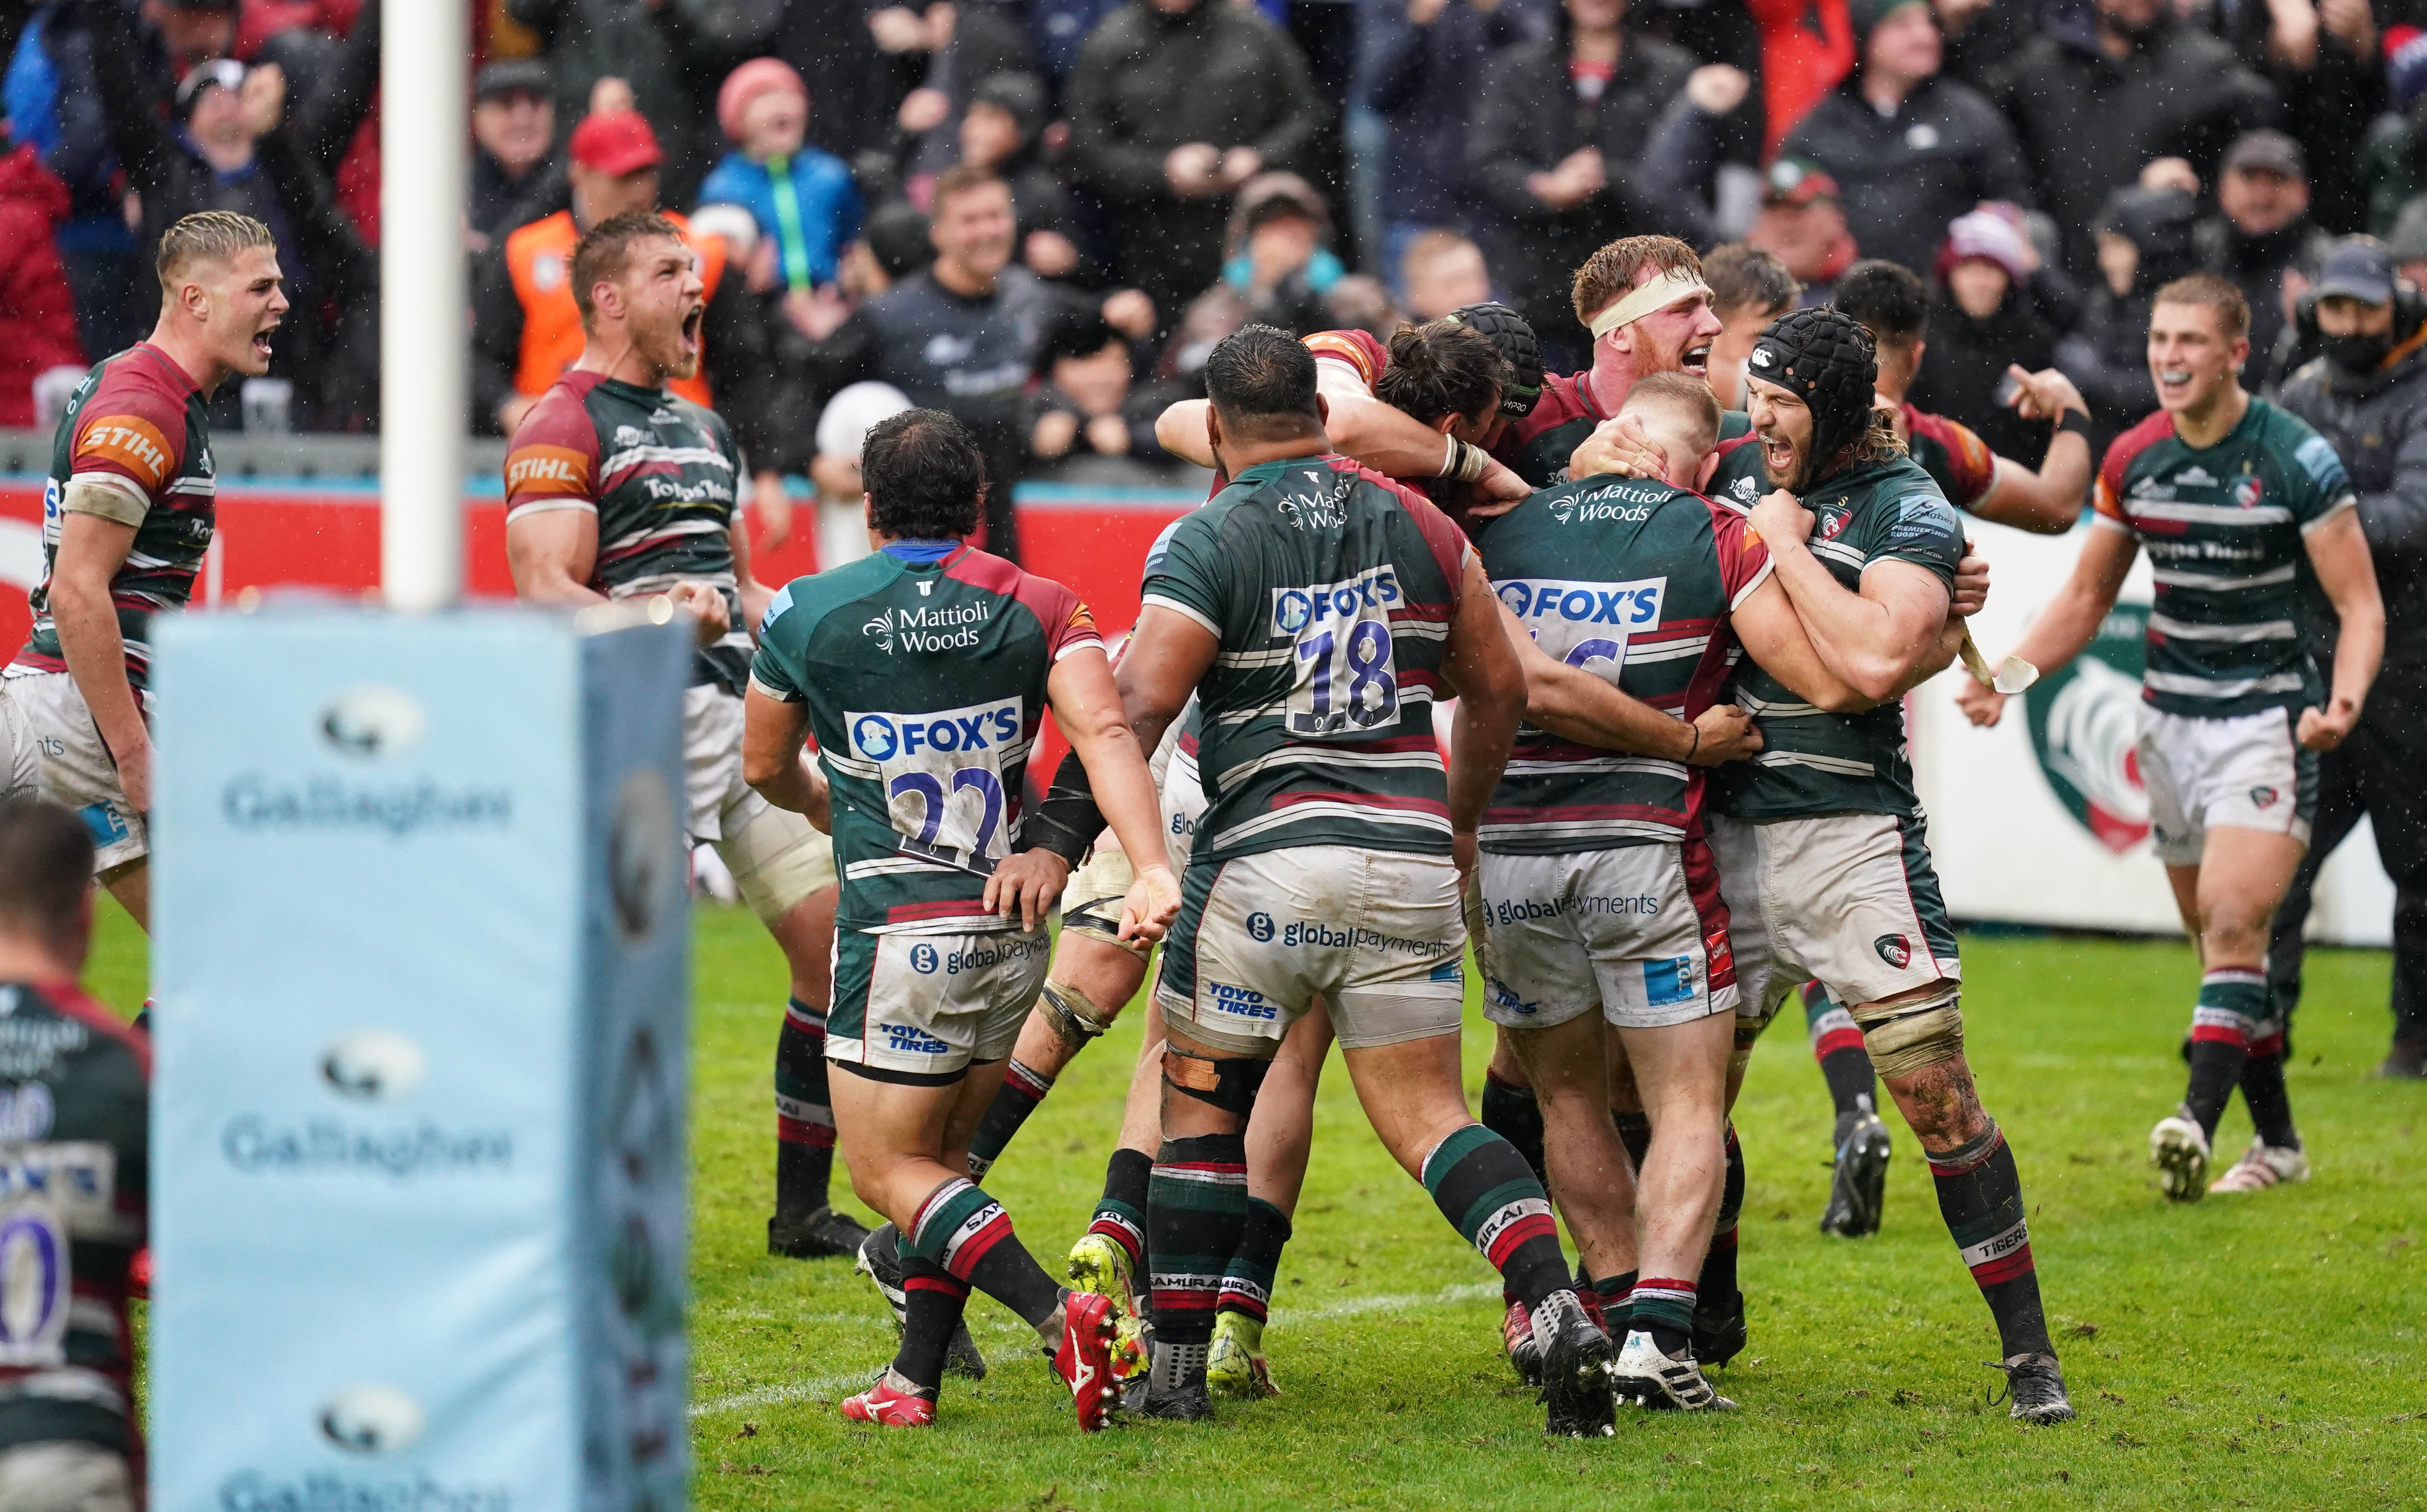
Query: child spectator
(1996,308)
(1443,271)
(1087,406)
(803,199)
(1277,257)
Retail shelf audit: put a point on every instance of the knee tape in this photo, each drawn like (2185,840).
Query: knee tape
(1230,1084)
(1074,1016)
(1916,1037)
(1099,919)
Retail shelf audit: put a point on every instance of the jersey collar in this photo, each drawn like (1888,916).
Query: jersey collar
(921,553)
(1265,472)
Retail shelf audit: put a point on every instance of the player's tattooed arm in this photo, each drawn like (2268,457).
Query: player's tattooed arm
(2070,619)
(1579,706)
(2340,553)
(772,733)
(91,549)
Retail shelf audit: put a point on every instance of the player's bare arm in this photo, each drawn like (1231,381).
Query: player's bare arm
(1168,655)
(2071,619)
(2045,500)
(1481,664)
(1772,634)
(1389,440)
(1575,703)
(772,735)
(756,595)
(553,553)
(1873,640)
(2339,550)
(1087,706)
(91,549)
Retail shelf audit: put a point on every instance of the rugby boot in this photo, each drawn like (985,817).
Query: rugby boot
(887,1407)
(2034,1389)
(824,1234)
(1517,1337)
(1099,1267)
(1575,1363)
(1668,1383)
(1235,1364)
(1084,1361)
(880,1261)
(2179,1151)
(1719,1328)
(1858,1191)
(1177,1388)
(2263,1166)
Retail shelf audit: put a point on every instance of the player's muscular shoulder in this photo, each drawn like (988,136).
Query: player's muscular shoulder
(554,453)
(134,428)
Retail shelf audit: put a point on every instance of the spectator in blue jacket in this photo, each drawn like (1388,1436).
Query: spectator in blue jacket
(803,199)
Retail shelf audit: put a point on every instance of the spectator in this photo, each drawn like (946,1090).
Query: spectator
(526,330)
(1174,104)
(965,334)
(1557,134)
(2322,61)
(1278,252)
(671,53)
(2263,240)
(230,152)
(38,326)
(857,86)
(1087,406)
(1911,148)
(1803,223)
(971,42)
(1749,288)
(53,104)
(1806,47)
(2095,105)
(2391,166)
(1443,271)
(1000,131)
(1359,302)
(1417,64)
(803,199)
(1983,36)
(193,32)
(330,52)
(2143,237)
(2408,243)
(513,137)
(1996,308)
(2368,396)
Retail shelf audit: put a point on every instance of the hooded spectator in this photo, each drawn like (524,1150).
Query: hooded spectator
(2095,105)
(514,141)
(1278,254)
(803,199)
(1909,149)
(38,326)
(1994,307)
(1000,131)
(1417,65)
(2144,241)
(1173,106)
(1802,224)
(2262,239)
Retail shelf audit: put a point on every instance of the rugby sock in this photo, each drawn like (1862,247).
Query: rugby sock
(1481,1185)
(1717,1280)
(1248,1282)
(1023,1088)
(1511,1113)
(936,1301)
(1980,1197)
(1837,1044)
(2232,1002)
(1608,1294)
(1663,1306)
(1120,1212)
(1635,1132)
(2264,1093)
(1195,1215)
(965,1233)
(804,1127)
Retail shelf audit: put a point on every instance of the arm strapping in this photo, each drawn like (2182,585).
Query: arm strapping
(1068,821)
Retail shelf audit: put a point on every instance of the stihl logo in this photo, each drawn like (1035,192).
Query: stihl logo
(133,444)
(547,470)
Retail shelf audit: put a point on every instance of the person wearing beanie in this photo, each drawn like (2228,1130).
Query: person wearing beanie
(1993,307)
(1910,150)
(2143,237)
(1000,130)
(1824,862)
(803,199)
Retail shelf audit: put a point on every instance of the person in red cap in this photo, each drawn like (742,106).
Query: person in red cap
(527,331)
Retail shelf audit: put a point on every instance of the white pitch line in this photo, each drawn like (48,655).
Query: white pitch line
(769,1396)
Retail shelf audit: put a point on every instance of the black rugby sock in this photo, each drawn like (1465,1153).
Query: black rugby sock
(1248,1281)
(1481,1185)
(2263,1092)
(1511,1113)
(1195,1215)
(2232,1003)
(969,1234)
(805,1127)
(936,1301)
(1022,1089)
(1837,1044)
(1120,1212)
(1980,1197)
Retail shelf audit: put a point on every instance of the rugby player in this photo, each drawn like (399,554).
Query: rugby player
(940,947)
(2230,495)
(1314,608)
(1597,888)
(1823,862)
(68,1432)
(617,488)
(127,517)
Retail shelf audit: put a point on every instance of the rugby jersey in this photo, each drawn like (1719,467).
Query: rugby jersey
(661,473)
(137,428)
(2224,527)
(925,683)
(1813,762)
(1632,580)
(74,1144)
(1537,448)
(1331,589)
(1954,456)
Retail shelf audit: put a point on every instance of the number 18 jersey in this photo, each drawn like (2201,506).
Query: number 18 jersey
(925,683)
(1331,589)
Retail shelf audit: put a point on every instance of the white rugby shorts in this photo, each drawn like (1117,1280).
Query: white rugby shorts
(1847,900)
(1097,888)
(2243,772)
(1378,935)
(73,764)
(777,857)
(1618,929)
(921,1008)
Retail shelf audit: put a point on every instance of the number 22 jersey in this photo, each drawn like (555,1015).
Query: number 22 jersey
(925,683)
(1331,589)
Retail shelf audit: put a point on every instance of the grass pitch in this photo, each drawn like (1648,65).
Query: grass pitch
(2261,1351)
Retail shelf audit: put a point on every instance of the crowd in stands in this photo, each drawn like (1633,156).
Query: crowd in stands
(1041,214)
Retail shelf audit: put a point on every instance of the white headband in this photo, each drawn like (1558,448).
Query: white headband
(1675,287)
